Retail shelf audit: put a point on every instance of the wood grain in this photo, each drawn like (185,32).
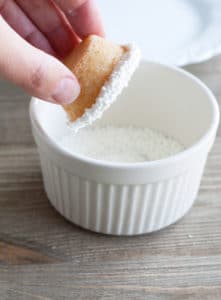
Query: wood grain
(44,257)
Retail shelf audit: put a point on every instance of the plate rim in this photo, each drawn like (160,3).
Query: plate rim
(203,48)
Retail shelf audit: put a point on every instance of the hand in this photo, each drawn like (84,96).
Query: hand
(35,34)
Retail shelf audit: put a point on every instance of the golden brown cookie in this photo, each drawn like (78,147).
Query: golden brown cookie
(92,61)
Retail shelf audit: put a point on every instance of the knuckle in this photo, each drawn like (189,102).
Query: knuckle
(37,77)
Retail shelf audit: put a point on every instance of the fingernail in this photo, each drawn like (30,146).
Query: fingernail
(67,90)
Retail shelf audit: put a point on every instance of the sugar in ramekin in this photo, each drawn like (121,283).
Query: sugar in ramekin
(132,198)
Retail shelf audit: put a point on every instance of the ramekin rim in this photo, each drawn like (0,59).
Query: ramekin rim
(123,165)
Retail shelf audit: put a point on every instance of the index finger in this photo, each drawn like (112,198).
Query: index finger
(83,15)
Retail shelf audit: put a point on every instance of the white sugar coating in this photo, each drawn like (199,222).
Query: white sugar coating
(121,144)
(117,81)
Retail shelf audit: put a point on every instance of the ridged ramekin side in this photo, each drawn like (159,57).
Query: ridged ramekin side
(120,209)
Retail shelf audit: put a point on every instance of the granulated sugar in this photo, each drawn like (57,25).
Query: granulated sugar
(121,144)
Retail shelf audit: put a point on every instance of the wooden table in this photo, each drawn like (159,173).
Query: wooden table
(42,256)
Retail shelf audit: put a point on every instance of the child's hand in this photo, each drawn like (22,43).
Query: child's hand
(54,26)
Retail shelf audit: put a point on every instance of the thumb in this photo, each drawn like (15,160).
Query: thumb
(38,73)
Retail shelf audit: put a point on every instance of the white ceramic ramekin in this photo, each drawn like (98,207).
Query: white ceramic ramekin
(130,199)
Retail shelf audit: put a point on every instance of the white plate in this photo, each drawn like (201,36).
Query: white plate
(175,32)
